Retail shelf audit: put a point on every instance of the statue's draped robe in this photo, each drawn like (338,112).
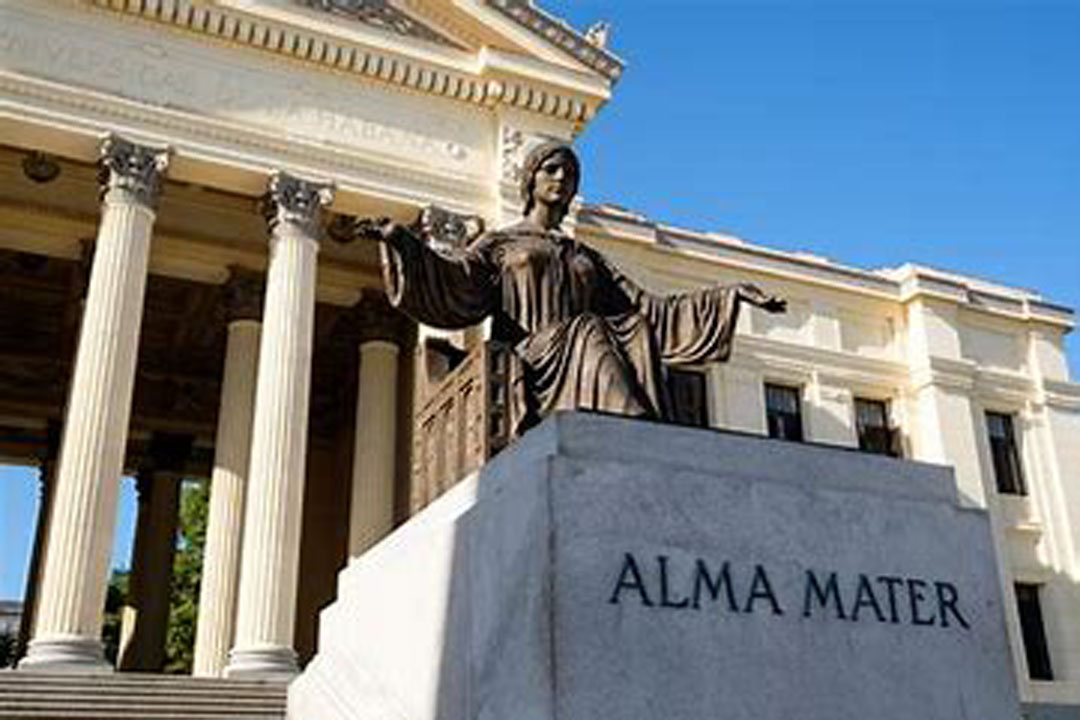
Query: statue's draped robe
(584,336)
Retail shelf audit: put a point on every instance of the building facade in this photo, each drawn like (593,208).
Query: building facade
(179,302)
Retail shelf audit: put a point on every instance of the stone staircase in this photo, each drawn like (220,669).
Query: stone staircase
(153,697)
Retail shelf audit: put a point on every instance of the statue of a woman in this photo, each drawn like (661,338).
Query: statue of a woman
(584,336)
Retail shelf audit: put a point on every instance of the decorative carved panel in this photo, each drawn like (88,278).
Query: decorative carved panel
(383,15)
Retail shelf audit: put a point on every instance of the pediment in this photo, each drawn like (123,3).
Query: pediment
(383,15)
(513,26)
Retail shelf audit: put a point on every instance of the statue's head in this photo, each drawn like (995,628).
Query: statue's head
(551,175)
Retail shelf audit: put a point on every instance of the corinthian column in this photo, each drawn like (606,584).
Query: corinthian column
(272,518)
(47,485)
(228,483)
(371,512)
(67,630)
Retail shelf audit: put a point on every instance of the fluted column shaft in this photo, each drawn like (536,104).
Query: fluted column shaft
(68,627)
(372,510)
(47,487)
(145,619)
(272,518)
(228,484)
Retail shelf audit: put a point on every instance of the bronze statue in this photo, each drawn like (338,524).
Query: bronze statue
(583,335)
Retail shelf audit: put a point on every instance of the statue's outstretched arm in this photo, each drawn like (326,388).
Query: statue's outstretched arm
(698,325)
(435,289)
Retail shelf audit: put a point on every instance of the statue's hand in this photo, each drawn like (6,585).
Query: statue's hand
(756,296)
(774,304)
(382,230)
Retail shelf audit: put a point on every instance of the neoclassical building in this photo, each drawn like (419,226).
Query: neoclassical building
(179,301)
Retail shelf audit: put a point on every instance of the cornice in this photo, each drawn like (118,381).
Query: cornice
(625,227)
(751,350)
(946,373)
(1007,387)
(904,284)
(1062,394)
(453,74)
(560,35)
(976,296)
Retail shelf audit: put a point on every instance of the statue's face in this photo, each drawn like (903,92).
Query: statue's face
(555,181)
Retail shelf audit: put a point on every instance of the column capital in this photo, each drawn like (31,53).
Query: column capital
(373,318)
(138,170)
(244,292)
(290,199)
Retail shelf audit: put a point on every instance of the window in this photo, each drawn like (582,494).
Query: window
(783,412)
(1031,626)
(1005,454)
(688,397)
(872,425)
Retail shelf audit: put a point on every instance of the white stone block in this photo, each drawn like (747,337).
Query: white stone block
(574,577)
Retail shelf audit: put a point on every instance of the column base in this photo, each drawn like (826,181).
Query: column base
(66,655)
(264,663)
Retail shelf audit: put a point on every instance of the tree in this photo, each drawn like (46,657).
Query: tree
(187,573)
(115,599)
(7,649)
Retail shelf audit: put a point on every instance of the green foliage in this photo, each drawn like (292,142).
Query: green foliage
(187,573)
(115,598)
(7,649)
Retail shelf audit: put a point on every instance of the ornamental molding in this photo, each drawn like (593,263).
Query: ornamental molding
(464,81)
(136,171)
(383,15)
(590,53)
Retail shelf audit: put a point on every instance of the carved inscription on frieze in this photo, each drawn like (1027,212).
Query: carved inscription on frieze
(284,100)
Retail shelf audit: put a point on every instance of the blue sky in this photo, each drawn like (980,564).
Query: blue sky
(874,133)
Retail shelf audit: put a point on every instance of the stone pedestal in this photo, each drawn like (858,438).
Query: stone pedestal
(270,557)
(67,629)
(603,567)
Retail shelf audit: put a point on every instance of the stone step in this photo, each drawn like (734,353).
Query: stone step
(153,697)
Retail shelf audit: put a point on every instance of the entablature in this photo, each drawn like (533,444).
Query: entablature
(382,42)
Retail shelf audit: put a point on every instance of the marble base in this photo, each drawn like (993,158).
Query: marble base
(76,655)
(267,663)
(611,568)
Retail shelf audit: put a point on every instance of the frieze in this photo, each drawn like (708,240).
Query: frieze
(319,108)
(124,71)
(383,15)
(135,170)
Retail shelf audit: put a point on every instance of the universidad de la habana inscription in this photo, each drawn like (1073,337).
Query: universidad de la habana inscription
(703,585)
